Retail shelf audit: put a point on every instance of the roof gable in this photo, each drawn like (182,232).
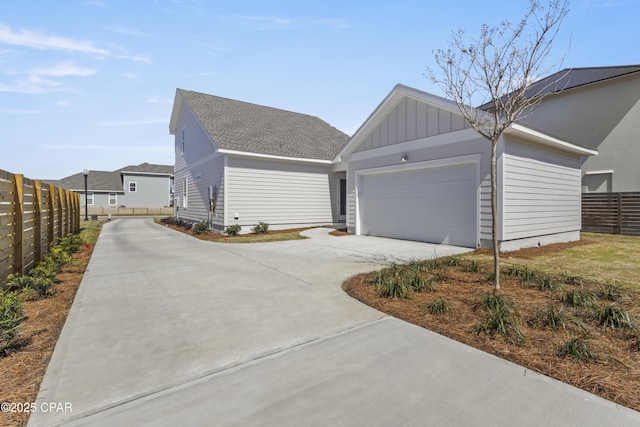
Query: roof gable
(405,114)
(244,127)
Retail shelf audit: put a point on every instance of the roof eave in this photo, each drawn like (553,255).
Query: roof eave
(273,157)
(544,139)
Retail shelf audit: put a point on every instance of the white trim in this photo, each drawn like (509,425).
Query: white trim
(600,172)
(271,156)
(544,139)
(448,161)
(418,144)
(135,186)
(145,173)
(225,191)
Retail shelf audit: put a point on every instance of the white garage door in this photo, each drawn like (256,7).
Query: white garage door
(435,204)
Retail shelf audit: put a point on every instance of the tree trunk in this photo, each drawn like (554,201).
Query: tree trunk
(494,216)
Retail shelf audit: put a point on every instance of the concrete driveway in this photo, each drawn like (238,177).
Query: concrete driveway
(169,330)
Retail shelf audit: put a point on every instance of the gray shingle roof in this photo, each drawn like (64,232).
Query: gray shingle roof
(241,126)
(570,78)
(107,181)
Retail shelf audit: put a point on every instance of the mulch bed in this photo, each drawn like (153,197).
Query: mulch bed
(23,364)
(614,376)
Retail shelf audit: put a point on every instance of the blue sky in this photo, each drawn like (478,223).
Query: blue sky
(90,83)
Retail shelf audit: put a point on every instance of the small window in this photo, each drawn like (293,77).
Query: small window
(89,199)
(185,194)
(133,187)
(113,199)
(183,136)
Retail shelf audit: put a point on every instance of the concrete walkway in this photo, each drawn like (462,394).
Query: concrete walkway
(169,330)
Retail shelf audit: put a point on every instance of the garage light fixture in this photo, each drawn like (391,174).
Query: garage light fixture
(404,158)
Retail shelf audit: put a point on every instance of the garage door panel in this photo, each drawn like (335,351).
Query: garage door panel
(433,205)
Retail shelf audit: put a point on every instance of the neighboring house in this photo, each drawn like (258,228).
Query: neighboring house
(413,171)
(241,163)
(599,108)
(136,186)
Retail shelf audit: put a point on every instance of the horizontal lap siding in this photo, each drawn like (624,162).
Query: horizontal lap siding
(541,191)
(278,192)
(201,166)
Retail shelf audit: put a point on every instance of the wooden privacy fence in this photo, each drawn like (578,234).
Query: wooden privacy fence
(612,213)
(33,217)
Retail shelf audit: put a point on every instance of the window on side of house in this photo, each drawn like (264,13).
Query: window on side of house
(185,193)
(182,139)
(113,199)
(89,199)
(133,187)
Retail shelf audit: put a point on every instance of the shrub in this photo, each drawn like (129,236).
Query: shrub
(394,288)
(261,228)
(579,298)
(453,261)
(613,292)
(10,315)
(614,317)
(439,306)
(200,228)
(546,283)
(579,348)
(233,230)
(502,315)
(473,267)
(552,317)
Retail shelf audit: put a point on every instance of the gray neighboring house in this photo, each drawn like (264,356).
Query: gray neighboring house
(242,163)
(135,186)
(413,170)
(599,108)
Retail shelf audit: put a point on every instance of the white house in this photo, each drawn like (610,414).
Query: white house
(241,163)
(412,171)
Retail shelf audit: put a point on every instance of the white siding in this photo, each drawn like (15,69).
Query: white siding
(411,119)
(541,191)
(477,145)
(278,192)
(201,166)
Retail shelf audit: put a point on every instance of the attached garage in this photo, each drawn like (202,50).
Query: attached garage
(434,201)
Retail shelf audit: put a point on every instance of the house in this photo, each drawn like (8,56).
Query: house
(599,108)
(241,163)
(414,170)
(136,186)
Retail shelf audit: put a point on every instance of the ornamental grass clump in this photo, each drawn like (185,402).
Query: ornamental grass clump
(579,348)
(10,315)
(615,317)
(502,317)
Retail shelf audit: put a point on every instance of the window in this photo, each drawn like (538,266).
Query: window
(343,197)
(89,199)
(185,193)
(133,187)
(113,199)
(183,139)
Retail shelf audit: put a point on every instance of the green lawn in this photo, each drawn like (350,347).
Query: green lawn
(606,258)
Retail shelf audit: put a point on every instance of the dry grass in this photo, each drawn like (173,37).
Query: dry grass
(615,375)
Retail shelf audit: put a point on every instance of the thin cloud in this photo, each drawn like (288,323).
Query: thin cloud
(129,31)
(61,70)
(33,40)
(155,99)
(32,85)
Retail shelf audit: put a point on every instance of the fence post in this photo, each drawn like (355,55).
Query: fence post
(51,213)
(18,224)
(60,214)
(619,216)
(37,221)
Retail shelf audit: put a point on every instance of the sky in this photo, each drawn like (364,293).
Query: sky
(91,83)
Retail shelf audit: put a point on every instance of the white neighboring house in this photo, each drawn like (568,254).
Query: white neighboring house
(413,171)
(242,163)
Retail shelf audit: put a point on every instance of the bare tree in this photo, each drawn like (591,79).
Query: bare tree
(496,71)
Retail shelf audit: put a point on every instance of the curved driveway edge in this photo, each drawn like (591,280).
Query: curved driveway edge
(167,329)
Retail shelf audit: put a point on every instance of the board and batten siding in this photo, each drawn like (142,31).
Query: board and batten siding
(411,120)
(541,191)
(277,192)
